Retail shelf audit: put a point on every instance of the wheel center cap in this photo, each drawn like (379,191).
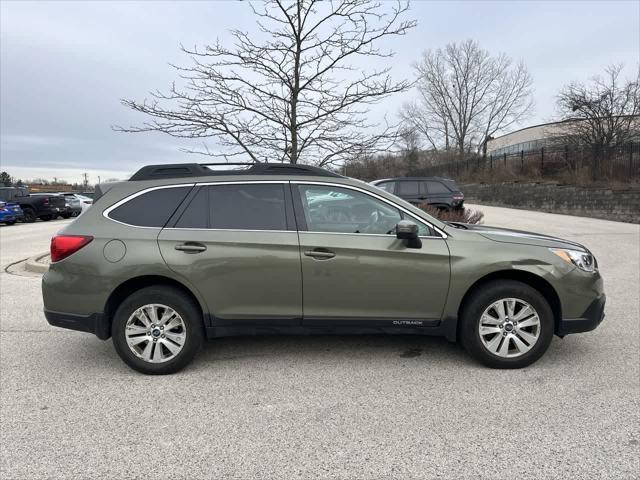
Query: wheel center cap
(155,332)
(508,327)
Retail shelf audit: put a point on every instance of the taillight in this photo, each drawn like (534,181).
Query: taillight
(46,201)
(64,245)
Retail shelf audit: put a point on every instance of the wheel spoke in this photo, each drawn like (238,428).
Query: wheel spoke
(504,348)
(177,338)
(151,311)
(175,322)
(494,343)
(499,307)
(135,329)
(157,353)
(520,345)
(523,313)
(146,353)
(527,337)
(511,305)
(489,320)
(172,347)
(484,330)
(133,341)
(529,322)
(142,316)
(166,316)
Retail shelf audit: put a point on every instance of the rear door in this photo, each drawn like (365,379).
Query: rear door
(409,190)
(238,244)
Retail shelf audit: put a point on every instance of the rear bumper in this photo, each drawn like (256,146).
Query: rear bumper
(590,319)
(95,323)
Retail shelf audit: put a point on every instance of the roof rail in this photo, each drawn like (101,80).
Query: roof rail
(183,170)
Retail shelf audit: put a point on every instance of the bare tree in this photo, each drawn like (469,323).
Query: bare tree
(603,113)
(466,96)
(294,96)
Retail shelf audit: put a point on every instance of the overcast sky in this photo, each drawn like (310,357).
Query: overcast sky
(65,65)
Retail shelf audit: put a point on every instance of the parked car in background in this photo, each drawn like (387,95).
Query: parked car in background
(73,203)
(15,210)
(86,201)
(6,215)
(183,252)
(438,192)
(43,206)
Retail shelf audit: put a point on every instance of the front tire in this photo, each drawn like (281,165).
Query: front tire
(157,330)
(506,324)
(46,218)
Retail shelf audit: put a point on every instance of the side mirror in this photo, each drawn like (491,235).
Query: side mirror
(406,230)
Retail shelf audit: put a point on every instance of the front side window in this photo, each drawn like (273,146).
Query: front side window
(341,210)
(247,207)
(151,209)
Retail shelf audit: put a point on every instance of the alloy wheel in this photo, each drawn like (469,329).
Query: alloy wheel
(155,333)
(509,327)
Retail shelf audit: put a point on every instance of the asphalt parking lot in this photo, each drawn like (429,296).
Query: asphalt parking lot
(325,407)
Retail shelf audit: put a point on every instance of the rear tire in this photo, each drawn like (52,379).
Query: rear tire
(46,218)
(130,322)
(29,215)
(512,345)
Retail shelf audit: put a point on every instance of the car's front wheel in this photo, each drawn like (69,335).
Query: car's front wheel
(506,324)
(157,330)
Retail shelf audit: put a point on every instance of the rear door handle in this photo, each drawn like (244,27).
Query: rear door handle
(191,247)
(320,254)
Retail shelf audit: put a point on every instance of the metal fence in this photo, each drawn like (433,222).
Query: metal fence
(585,163)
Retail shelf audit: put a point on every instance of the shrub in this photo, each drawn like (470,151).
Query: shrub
(463,215)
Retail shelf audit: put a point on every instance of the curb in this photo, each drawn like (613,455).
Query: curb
(35,264)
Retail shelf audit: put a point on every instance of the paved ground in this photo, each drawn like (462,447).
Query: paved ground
(325,407)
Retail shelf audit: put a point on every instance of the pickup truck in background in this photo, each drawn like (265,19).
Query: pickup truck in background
(44,207)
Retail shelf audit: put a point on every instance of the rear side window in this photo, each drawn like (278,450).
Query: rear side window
(408,188)
(437,188)
(151,209)
(247,207)
(196,215)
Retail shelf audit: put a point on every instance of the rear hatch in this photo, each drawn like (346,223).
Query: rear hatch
(56,202)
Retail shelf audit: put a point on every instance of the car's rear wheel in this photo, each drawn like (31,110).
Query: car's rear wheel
(29,215)
(46,218)
(506,324)
(157,330)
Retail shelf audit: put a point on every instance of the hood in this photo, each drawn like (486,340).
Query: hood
(506,235)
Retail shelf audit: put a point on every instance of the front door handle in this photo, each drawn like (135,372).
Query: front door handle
(191,247)
(320,254)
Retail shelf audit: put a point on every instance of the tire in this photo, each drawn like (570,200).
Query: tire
(46,218)
(192,331)
(11,223)
(29,215)
(65,216)
(521,351)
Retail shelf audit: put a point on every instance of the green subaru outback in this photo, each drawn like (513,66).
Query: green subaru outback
(180,253)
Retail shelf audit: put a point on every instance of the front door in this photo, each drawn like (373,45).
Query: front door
(237,244)
(355,270)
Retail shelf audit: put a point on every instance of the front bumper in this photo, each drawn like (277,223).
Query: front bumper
(589,320)
(95,323)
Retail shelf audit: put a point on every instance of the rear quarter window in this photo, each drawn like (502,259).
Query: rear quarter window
(437,188)
(150,209)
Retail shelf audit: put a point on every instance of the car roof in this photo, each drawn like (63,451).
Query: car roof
(190,170)
(443,179)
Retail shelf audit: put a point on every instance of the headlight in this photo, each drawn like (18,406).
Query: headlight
(583,260)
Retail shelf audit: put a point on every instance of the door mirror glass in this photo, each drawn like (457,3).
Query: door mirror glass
(408,231)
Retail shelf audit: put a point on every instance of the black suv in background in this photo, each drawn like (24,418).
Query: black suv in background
(438,192)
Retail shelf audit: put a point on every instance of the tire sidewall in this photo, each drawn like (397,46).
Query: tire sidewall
(491,293)
(174,299)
